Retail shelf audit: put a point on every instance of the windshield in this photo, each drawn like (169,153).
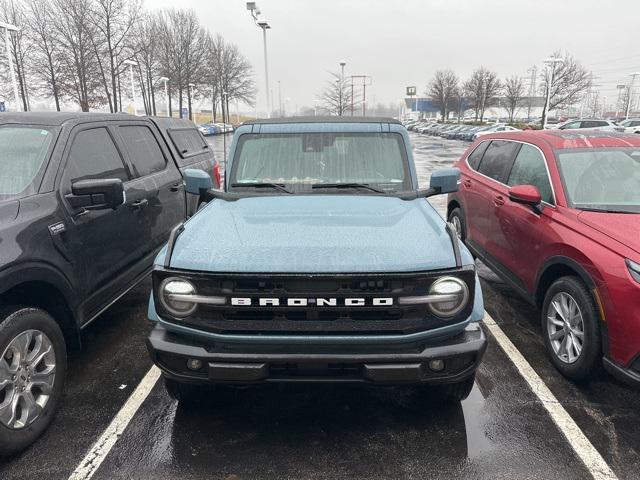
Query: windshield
(23,151)
(301,160)
(602,179)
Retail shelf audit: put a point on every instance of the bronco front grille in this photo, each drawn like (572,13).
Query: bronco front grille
(318,315)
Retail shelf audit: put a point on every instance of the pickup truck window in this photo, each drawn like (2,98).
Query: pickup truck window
(305,159)
(145,154)
(188,142)
(94,155)
(22,156)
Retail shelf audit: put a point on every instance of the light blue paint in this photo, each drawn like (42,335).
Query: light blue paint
(315,234)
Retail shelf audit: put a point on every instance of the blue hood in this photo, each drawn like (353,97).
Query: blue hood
(315,234)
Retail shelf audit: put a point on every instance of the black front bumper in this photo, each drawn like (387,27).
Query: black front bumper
(247,364)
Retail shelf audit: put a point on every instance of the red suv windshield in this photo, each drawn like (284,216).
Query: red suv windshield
(602,179)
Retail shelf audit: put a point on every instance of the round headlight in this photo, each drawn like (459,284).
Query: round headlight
(172,293)
(455,295)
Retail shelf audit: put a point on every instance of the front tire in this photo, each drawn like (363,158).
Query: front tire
(33,365)
(571,329)
(456,218)
(181,392)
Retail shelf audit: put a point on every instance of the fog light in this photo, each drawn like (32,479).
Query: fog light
(194,364)
(436,365)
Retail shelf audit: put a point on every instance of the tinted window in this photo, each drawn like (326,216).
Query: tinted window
(497,158)
(593,124)
(529,169)
(634,123)
(476,155)
(188,141)
(94,155)
(145,154)
(572,125)
(22,154)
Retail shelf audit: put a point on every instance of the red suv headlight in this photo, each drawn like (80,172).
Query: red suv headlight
(634,269)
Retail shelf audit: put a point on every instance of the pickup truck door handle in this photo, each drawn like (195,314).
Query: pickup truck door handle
(467,183)
(139,204)
(498,201)
(175,187)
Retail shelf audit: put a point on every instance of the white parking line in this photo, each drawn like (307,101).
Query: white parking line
(99,451)
(580,444)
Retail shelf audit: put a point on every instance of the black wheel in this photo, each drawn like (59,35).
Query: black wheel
(456,218)
(457,392)
(182,392)
(33,364)
(571,330)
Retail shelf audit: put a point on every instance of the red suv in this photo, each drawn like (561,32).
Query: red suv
(557,215)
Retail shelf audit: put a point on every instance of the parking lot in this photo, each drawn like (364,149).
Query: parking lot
(503,430)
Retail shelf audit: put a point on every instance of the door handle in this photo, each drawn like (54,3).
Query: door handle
(139,204)
(498,201)
(175,187)
(467,183)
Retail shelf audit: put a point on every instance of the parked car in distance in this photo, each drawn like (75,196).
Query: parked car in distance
(208,129)
(493,129)
(321,273)
(604,125)
(557,216)
(631,125)
(86,202)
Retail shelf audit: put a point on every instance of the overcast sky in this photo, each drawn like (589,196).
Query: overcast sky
(402,42)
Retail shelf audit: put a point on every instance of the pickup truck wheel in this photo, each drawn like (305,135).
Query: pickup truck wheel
(457,391)
(33,364)
(182,392)
(570,329)
(456,218)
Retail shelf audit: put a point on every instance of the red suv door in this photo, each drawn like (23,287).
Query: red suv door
(486,193)
(519,231)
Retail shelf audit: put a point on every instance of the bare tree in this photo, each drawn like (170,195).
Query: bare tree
(146,53)
(513,94)
(236,75)
(570,82)
(336,97)
(45,61)
(483,87)
(14,12)
(443,89)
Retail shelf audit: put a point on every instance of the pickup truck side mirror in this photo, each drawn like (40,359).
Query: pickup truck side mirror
(96,194)
(197,181)
(445,180)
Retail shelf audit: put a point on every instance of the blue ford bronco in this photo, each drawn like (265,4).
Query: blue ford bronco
(321,260)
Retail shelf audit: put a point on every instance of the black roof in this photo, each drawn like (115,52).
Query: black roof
(58,118)
(323,119)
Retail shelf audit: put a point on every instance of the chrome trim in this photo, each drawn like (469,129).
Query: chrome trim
(423,299)
(202,299)
(544,157)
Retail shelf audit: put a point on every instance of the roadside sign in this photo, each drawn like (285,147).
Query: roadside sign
(184,113)
(3,108)
(411,91)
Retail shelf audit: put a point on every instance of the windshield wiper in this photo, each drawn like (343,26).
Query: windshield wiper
(274,186)
(347,185)
(606,210)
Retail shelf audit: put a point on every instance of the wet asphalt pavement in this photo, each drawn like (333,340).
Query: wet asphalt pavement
(334,431)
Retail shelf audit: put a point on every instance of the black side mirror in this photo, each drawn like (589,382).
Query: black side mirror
(96,194)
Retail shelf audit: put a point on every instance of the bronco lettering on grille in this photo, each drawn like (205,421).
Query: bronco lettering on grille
(304,302)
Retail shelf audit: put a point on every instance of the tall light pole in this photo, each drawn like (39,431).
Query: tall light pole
(551,61)
(264,25)
(342,65)
(166,92)
(11,28)
(629,93)
(132,64)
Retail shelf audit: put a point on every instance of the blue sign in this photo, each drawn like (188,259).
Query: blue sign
(184,113)
(2,107)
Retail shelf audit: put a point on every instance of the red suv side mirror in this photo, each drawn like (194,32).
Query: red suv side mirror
(527,195)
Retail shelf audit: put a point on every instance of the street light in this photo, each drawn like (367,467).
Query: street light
(132,64)
(11,28)
(633,79)
(264,25)
(551,61)
(166,92)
